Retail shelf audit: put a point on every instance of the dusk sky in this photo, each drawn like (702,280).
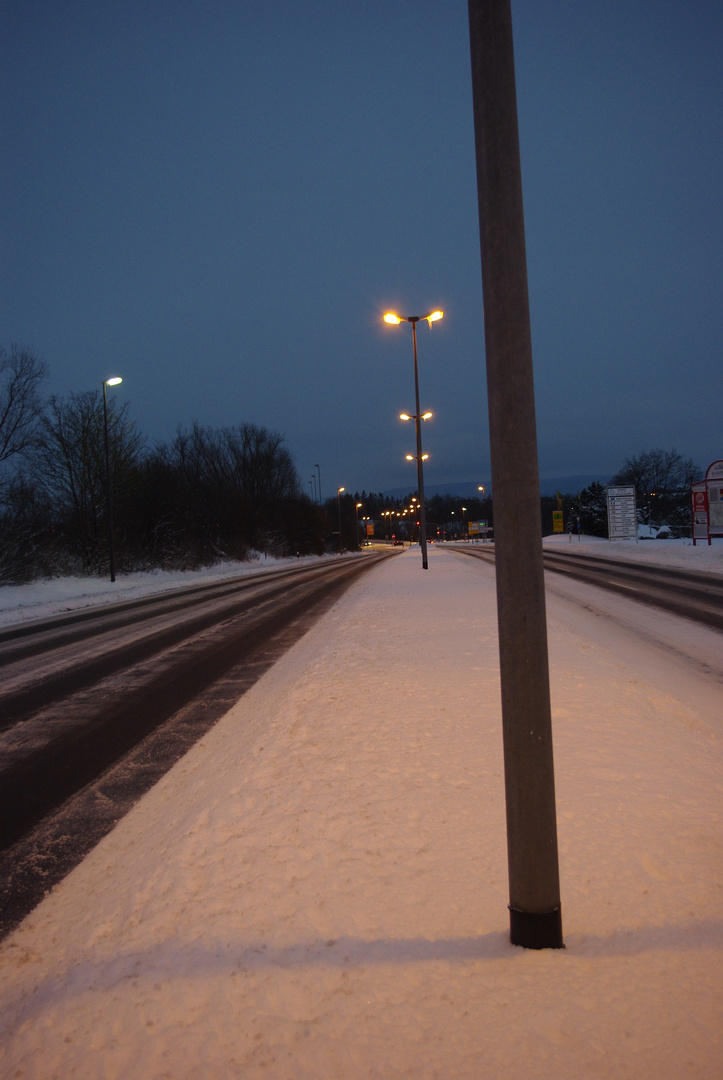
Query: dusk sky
(219,200)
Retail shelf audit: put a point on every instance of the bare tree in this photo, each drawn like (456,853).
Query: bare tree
(662,479)
(234,487)
(70,464)
(21,377)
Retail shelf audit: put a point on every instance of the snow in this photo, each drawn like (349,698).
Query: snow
(42,599)
(683,554)
(318,888)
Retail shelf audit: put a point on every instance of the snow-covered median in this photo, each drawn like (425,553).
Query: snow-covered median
(318,889)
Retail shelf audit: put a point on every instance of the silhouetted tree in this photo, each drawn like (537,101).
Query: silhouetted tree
(590,507)
(70,465)
(21,404)
(662,480)
(28,548)
(219,492)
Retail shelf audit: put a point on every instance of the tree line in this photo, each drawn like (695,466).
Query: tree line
(662,481)
(212,494)
(207,494)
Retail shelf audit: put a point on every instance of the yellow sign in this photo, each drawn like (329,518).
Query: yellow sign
(557,521)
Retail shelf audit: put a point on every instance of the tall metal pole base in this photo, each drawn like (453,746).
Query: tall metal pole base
(533,931)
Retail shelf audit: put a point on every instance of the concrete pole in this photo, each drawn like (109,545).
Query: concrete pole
(535,912)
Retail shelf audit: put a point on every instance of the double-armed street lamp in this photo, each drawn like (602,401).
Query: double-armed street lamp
(114,381)
(395,320)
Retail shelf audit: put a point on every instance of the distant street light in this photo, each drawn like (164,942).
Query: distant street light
(357,508)
(395,320)
(338,506)
(319,471)
(114,381)
(481,487)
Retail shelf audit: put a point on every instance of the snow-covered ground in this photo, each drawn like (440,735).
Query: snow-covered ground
(681,553)
(41,599)
(318,888)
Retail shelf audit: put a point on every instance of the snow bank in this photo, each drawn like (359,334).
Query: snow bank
(41,599)
(318,889)
(674,553)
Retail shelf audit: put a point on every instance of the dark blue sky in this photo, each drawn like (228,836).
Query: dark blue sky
(219,201)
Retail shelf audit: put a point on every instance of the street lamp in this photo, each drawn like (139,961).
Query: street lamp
(357,508)
(114,381)
(319,472)
(338,506)
(481,487)
(395,320)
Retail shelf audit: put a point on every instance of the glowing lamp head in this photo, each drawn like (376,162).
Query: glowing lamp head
(114,381)
(435,316)
(404,416)
(390,317)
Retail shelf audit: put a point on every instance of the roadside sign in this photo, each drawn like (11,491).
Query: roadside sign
(706,498)
(557,524)
(622,516)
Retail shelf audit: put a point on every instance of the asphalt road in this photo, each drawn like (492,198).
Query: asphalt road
(692,594)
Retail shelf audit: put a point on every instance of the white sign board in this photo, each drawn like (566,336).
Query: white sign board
(622,518)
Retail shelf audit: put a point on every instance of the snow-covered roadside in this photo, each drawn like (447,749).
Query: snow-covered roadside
(318,889)
(679,553)
(42,599)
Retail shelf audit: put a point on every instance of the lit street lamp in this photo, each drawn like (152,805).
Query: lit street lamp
(338,506)
(395,320)
(481,487)
(115,381)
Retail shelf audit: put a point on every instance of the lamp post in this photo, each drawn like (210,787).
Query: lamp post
(481,487)
(114,381)
(357,508)
(394,320)
(319,471)
(338,506)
